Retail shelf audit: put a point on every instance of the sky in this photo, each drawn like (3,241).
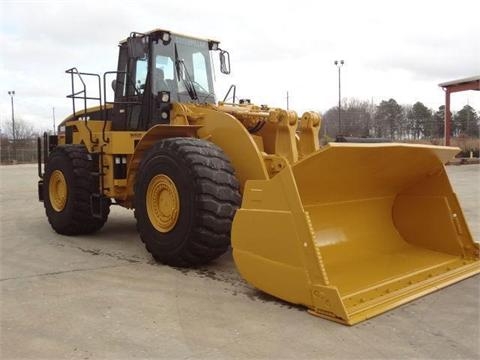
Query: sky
(392,49)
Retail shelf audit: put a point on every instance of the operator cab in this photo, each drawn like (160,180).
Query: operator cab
(158,68)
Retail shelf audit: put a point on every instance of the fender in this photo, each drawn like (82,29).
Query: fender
(230,135)
(153,135)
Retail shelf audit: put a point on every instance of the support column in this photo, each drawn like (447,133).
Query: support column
(448,118)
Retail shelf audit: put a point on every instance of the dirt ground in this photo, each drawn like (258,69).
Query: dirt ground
(102,297)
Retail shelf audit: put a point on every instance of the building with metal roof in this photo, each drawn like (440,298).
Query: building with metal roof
(470,83)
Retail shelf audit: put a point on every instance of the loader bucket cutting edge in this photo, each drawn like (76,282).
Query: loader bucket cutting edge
(354,230)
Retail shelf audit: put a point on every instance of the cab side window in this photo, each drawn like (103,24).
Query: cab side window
(141,69)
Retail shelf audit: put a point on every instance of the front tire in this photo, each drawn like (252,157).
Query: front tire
(186,196)
(68,185)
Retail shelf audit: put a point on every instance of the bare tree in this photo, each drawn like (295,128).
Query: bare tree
(357,117)
(23,130)
(24,147)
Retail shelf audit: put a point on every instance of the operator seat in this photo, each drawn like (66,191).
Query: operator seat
(160,83)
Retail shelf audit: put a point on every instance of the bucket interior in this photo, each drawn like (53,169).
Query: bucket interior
(362,248)
(384,216)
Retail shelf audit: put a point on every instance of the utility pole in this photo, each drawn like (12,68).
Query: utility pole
(288,99)
(53,120)
(339,65)
(12,93)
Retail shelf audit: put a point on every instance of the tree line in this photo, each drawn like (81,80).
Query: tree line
(359,118)
(391,120)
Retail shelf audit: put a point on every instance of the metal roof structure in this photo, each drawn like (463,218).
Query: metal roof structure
(466,81)
(470,83)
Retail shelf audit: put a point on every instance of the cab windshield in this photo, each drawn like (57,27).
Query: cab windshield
(183,68)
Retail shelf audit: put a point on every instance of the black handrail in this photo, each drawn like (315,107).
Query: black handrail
(105,115)
(77,95)
(46,149)
(234,87)
(39,157)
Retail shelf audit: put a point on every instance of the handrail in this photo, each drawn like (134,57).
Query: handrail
(76,95)
(234,87)
(39,157)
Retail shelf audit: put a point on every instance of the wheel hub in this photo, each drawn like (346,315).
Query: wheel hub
(163,203)
(57,190)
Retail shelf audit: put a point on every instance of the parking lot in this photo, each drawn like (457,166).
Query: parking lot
(102,296)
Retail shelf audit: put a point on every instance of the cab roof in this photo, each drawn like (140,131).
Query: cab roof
(152,32)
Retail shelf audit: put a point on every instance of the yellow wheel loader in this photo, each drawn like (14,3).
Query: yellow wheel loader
(347,230)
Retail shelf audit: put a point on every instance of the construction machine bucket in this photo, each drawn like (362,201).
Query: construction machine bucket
(354,230)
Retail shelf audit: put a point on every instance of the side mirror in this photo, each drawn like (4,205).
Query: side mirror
(137,47)
(114,85)
(224,62)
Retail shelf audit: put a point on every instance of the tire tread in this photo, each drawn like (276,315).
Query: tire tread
(217,197)
(81,221)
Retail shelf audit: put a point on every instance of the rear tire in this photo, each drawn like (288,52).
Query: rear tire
(68,185)
(186,196)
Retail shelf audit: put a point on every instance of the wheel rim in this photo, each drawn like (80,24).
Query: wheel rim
(57,190)
(163,203)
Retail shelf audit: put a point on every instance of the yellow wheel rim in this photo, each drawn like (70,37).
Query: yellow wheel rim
(57,190)
(163,203)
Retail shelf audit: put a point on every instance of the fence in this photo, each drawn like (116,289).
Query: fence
(25,152)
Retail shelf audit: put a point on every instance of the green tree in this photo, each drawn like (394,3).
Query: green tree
(438,122)
(388,119)
(407,124)
(420,121)
(466,122)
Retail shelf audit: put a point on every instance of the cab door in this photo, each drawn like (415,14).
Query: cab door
(129,87)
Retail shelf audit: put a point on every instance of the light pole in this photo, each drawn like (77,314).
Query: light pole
(53,110)
(339,65)
(12,93)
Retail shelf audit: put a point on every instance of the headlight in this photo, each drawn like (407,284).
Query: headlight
(165,97)
(165,37)
(213,45)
